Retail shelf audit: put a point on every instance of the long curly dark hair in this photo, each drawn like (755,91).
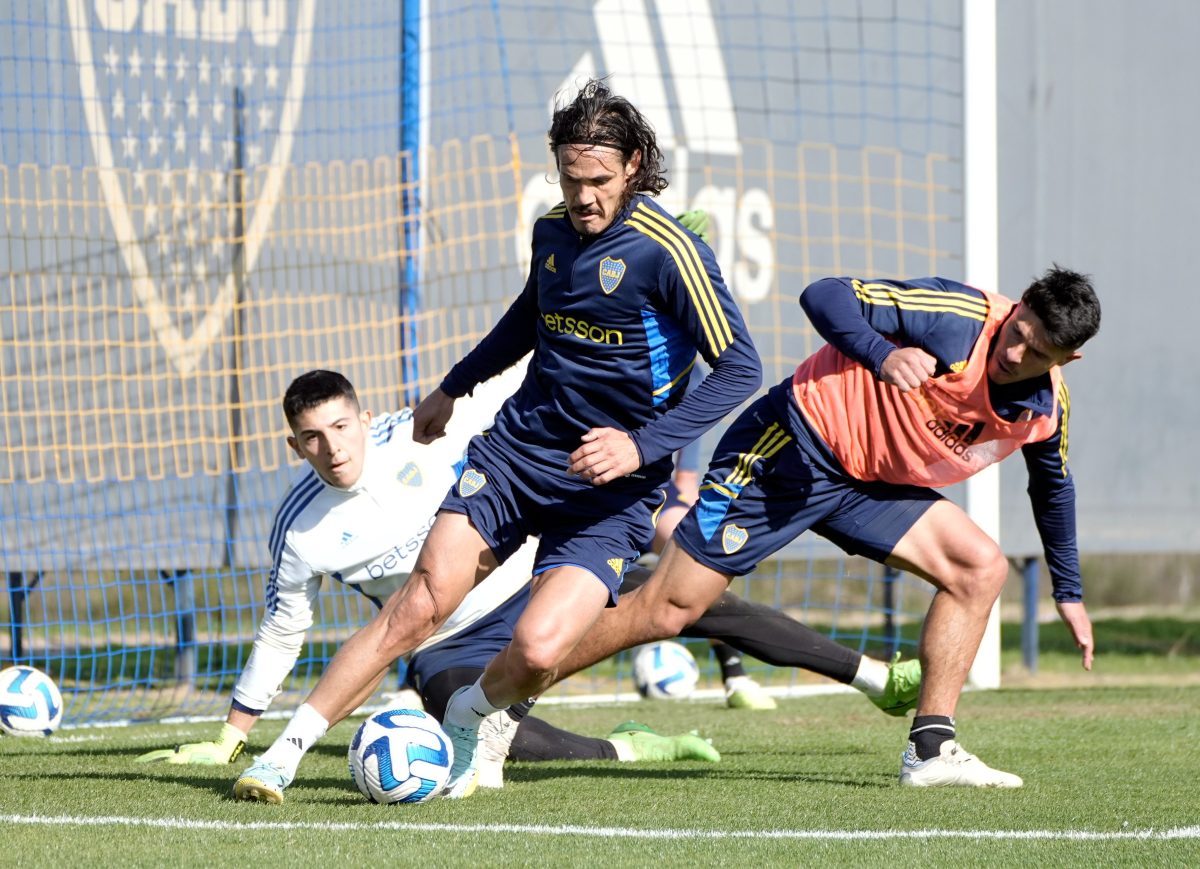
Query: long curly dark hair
(599,117)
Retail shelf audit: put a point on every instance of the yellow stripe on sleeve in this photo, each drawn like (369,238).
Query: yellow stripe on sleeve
(705,314)
(963,304)
(691,268)
(1064,400)
(688,247)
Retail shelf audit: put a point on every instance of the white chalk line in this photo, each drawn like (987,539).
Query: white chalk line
(1173,833)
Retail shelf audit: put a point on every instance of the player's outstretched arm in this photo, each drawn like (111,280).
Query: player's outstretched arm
(226,748)
(1052,496)
(277,644)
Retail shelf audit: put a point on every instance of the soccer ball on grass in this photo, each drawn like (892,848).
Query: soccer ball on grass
(30,704)
(664,671)
(400,756)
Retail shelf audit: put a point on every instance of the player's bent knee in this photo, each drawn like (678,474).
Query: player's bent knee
(534,662)
(982,578)
(991,568)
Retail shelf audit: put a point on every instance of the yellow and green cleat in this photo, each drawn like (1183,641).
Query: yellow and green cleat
(637,742)
(902,689)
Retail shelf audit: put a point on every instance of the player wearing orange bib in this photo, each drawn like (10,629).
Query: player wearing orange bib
(922,384)
(941,433)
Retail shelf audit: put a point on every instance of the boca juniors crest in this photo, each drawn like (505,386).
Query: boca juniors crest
(734,538)
(167,98)
(471,482)
(409,475)
(611,272)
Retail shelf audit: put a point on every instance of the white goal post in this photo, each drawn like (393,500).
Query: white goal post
(982,269)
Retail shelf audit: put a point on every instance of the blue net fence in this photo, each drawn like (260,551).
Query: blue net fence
(202,200)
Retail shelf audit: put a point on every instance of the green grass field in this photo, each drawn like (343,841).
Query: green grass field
(1111,778)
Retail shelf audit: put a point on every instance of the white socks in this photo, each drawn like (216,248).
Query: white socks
(470,707)
(871,677)
(301,734)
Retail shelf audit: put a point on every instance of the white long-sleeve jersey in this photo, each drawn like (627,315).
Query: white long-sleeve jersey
(368,537)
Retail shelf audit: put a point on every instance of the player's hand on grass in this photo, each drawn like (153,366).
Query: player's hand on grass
(225,749)
(1075,615)
(607,454)
(907,368)
(697,221)
(431,416)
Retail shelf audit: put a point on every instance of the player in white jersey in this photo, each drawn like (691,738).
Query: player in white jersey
(357,513)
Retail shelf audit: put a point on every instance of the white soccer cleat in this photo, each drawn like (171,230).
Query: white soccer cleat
(954,767)
(496,734)
(464,773)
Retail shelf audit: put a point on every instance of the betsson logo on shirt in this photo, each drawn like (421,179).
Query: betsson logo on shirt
(577,328)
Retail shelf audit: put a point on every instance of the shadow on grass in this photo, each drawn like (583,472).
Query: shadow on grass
(534,773)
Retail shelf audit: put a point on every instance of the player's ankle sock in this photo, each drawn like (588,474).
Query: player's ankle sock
(870,677)
(302,732)
(730,661)
(470,707)
(518,711)
(929,732)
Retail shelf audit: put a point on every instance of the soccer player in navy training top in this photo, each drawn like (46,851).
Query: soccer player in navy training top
(619,300)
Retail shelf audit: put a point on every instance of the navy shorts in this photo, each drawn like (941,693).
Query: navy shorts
(763,489)
(601,529)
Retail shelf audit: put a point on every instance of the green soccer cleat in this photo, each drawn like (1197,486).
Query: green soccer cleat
(637,742)
(902,689)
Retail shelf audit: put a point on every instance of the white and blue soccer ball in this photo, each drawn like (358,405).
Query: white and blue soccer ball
(664,671)
(30,704)
(400,756)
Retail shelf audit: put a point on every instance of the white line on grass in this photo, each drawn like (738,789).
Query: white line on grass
(604,832)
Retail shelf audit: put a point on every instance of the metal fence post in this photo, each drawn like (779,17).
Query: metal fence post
(1029,625)
(186,653)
